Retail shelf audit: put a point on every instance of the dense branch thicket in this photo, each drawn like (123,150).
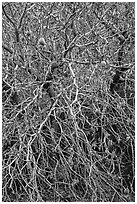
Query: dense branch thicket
(68,102)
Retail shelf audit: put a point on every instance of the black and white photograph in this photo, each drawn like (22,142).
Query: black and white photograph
(68,101)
